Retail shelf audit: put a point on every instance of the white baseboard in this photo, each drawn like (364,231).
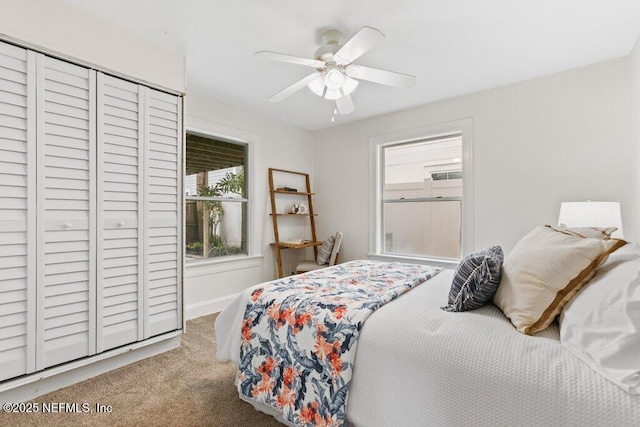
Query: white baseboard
(207,307)
(31,386)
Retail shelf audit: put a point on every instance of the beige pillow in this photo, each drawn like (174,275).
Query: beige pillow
(544,271)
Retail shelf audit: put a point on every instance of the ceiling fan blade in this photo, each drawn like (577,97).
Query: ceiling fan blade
(294,87)
(274,56)
(345,105)
(358,45)
(389,78)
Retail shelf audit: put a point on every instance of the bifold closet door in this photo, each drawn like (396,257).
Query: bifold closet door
(17,211)
(66,168)
(120,194)
(163,216)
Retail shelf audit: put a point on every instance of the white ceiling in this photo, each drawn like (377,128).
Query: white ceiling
(454,47)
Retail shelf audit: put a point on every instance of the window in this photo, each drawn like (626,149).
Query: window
(422,194)
(438,176)
(216,203)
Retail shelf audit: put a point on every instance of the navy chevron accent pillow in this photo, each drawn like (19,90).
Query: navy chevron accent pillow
(476,280)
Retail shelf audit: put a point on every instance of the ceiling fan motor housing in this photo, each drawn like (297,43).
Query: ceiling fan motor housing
(331,40)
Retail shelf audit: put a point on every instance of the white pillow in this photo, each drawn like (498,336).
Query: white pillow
(601,325)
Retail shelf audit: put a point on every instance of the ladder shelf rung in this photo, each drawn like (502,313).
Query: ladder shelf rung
(305,244)
(295,193)
(294,214)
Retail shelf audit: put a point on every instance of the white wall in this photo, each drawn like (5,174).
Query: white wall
(563,137)
(208,286)
(63,30)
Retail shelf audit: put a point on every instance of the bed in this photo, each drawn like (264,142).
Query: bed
(418,365)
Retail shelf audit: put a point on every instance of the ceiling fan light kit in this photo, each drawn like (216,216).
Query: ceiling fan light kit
(335,75)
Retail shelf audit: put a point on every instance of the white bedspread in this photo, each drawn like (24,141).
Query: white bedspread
(417,365)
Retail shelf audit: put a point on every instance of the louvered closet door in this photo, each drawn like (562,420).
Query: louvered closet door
(17,211)
(120,192)
(163,217)
(66,212)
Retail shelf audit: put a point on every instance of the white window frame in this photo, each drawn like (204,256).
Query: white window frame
(253,257)
(464,128)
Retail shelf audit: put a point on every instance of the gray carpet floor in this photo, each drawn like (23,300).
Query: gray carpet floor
(183,387)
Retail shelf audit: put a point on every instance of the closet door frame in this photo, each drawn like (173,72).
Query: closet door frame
(36,200)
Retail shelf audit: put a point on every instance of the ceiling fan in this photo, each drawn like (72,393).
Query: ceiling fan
(336,77)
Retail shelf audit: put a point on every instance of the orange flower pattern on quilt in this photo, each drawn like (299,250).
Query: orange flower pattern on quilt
(299,336)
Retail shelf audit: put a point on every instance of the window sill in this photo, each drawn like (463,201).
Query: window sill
(437,262)
(214,266)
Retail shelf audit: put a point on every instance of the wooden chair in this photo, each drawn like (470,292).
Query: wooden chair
(308,265)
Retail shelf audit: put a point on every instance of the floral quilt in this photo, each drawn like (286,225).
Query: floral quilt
(299,336)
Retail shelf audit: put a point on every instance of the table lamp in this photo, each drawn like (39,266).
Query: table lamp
(591,214)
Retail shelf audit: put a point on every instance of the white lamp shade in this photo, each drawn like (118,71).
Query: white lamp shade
(317,86)
(332,93)
(349,85)
(591,214)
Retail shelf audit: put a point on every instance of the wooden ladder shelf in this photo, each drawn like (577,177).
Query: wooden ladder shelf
(277,244)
